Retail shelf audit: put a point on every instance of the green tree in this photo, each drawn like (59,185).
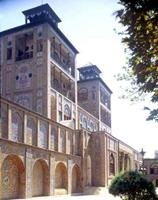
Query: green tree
(132,185)
(139,19)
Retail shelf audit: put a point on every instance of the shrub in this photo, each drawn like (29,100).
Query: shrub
(132,185)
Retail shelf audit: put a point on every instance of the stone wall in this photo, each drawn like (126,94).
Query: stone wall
(29,171)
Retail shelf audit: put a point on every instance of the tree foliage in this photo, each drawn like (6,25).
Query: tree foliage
(132,185)
(140,35)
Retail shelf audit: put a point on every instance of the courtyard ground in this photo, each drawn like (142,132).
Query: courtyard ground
(104,195)
(80,197)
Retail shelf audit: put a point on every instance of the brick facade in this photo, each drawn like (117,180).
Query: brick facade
(50,144)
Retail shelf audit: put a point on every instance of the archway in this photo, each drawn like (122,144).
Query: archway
(76,179)
(111,165)
(61,178)
(89,171)
(127,162)
(13,178)
(40,178)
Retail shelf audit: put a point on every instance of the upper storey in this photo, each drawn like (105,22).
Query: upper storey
(43,12)
(89,72)
(37,16)
(94,95)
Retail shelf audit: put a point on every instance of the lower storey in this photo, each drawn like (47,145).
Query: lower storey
(27,172)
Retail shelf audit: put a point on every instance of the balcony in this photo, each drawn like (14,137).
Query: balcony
(63,63)
(24,44)
(25,55)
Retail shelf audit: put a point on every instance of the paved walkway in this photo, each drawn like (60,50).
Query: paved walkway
(81,197)
(103,196)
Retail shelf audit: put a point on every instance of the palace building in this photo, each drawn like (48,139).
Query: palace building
(55,135)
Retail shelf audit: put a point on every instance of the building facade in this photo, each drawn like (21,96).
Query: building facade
(55,135)
(151,169)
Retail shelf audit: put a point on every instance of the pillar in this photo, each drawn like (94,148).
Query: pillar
(9,122)
(69,172)
(28,173)
(52,176)
(24,127)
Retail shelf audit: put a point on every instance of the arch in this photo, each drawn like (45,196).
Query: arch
(13,178)
(40,178)
(16,132)
(111,165)
(84,122)
(127,162)
(67,112)
(31,131)
(89,171)
(42,135)
(83,94)
(61,177)
(154,168)
(76,179)
(54,138)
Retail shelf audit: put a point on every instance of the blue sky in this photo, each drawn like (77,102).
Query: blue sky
(89,25)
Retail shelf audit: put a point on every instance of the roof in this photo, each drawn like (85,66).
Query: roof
(29,25)
(41,8)
(89,67)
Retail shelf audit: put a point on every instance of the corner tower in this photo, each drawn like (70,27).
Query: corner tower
(95,96)
(38,66)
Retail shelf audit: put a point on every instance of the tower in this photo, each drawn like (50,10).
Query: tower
(38,66)
(95,96)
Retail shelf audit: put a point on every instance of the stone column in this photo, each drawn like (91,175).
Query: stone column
(28,175)
(69,170)
(9,122)
(49,137)
(37,131)
(52,176)
(59,141)
(24,127)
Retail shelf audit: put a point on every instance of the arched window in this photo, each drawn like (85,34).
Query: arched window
(92,126)
(62,141)
(42,140)
(56,85)
(112,165)
(154,169)
(54,138)
(84,123)
(31,130)
(67,112)
(83,94)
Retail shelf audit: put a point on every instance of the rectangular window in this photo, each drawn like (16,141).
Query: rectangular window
(151,171)
(9,53)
